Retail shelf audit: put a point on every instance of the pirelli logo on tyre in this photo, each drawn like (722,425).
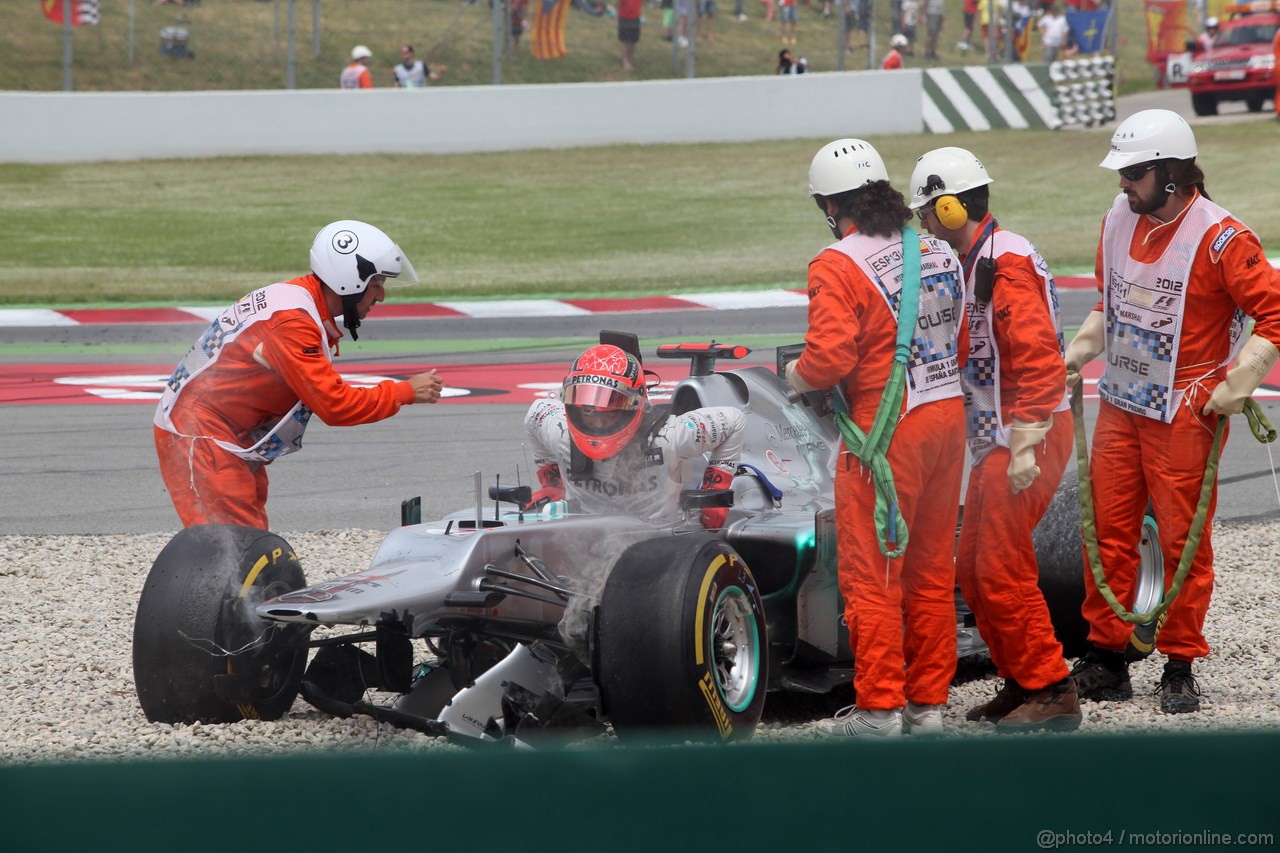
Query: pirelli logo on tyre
(707,593)
(708,687)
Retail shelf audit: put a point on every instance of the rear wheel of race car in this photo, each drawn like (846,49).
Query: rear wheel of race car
(1059,551)
(681,641)
(200,652)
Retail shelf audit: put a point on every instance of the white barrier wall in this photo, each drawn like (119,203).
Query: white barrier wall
(61,127)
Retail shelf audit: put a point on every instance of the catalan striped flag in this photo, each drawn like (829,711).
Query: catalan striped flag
(548,28)
(82,11)
(1022,36)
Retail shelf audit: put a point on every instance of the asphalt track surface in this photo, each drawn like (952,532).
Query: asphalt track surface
(88,466)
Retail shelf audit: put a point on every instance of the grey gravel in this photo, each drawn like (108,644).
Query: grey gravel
(68,688)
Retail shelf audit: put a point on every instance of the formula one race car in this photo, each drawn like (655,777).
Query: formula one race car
(507,625)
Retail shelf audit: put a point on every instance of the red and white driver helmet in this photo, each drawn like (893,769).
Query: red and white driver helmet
(604,397)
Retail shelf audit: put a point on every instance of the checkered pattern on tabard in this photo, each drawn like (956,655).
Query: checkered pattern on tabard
(983,422)
(980,372)
(1149,395)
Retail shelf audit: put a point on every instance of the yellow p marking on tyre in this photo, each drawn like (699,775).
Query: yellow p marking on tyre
(698,653)
(253,575)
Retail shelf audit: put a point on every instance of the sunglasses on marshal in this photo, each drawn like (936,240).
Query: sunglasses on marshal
(1135,173)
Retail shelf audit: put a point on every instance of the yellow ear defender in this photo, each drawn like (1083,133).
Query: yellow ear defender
(951,212)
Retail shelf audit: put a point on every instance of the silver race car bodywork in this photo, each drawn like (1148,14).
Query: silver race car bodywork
(553,619)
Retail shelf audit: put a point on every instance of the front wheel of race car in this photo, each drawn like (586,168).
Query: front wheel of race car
(200,652)
(681,641)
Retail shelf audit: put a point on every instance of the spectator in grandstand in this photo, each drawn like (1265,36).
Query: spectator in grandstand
(1053,32)
(356,75)
(934,14)
(788,64)
(787,21)
(970,13)
(991,22)
(629,12)
(517,22)
(706,16)
(910,21)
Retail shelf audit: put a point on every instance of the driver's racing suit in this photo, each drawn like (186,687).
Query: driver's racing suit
(645,479)
(242,397)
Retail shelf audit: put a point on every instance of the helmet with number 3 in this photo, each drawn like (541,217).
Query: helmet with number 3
(604,397)
(346,254)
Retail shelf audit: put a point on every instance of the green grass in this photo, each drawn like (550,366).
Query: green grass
(238,45)
(601,221)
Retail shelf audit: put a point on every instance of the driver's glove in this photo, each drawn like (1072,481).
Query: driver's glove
(552,488)
(715,477)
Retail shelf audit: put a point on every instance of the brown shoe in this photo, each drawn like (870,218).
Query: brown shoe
(1057,707)
(1009,696)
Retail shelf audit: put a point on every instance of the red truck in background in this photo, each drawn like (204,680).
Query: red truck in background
(1240,66)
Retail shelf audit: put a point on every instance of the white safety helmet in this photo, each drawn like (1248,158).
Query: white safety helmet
(347,253)
(897,40)
(1210,23)
(946,171)
(360,52)
(1150,135)
(844,165)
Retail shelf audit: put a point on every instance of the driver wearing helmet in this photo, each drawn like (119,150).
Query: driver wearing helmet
(243,394)
(604,447)
(1177,276)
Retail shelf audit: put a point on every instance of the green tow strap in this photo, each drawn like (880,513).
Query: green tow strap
(1148,625)
(872,448)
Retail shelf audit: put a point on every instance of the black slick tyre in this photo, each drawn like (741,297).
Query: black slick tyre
(682,645)
(1059,551)
(200,653)
(1063,572)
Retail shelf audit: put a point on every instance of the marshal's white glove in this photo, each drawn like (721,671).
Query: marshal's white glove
(795,380)
(1087,345)
(1257,357)
(1024,438)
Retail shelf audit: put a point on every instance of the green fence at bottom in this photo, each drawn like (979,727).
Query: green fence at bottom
(1187,792)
